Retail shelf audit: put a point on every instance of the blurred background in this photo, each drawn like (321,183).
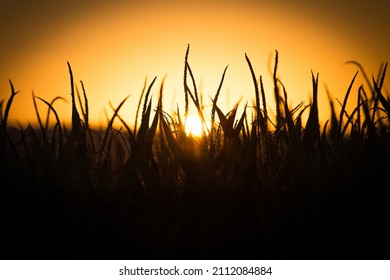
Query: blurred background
(113,46)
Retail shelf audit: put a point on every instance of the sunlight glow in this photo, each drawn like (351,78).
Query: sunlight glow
(114,49)
(194,126)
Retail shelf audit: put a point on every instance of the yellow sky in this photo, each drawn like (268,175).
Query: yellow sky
(113,47)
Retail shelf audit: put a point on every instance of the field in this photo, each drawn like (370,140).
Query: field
(250,187)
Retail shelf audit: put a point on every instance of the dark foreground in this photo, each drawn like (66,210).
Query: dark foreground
(50,212)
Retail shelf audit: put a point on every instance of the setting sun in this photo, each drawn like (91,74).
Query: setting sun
(194,126)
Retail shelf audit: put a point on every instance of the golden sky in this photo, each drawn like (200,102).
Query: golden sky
(113,45)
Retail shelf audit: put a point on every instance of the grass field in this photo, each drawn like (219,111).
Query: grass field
(251,186)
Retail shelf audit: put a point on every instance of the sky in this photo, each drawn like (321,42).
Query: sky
(113,46)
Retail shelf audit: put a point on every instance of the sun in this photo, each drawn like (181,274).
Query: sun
(194,126)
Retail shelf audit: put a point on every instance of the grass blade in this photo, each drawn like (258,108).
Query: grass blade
(8,106)
(139,106)
(76,122)
(312,130)
(58,123)
(385,103)
(343,110)
(216,97)
(38,116)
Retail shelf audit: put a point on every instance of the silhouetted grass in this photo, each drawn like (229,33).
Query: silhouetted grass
(250,187)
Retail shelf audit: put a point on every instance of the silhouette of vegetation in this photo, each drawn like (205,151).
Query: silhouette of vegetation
(250,187)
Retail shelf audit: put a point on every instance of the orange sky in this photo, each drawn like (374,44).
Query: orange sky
(112,46)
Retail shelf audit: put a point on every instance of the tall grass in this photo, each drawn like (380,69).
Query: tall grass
(250,187)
